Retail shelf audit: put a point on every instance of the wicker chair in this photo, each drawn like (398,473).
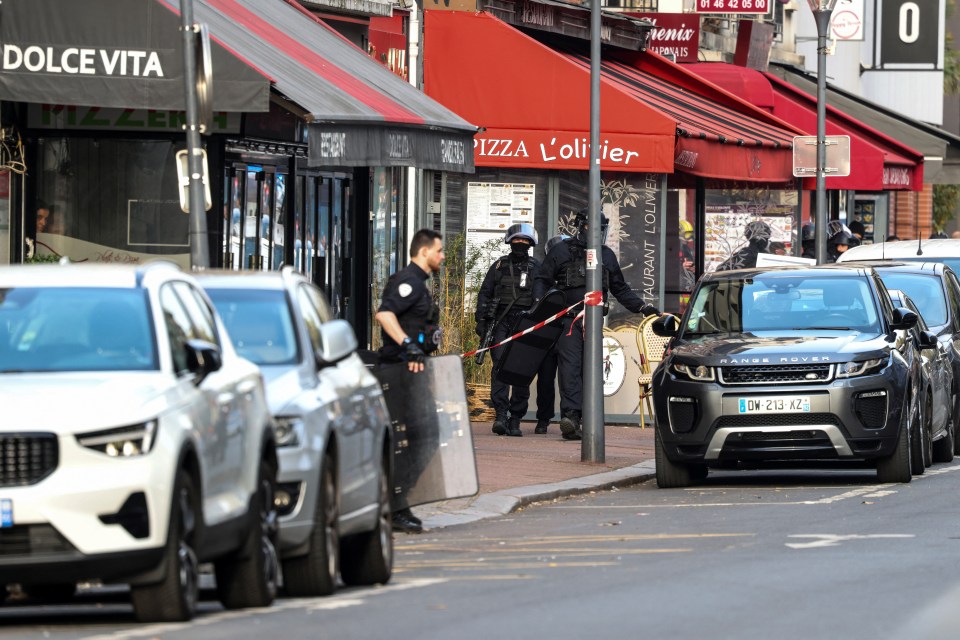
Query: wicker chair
(651,348)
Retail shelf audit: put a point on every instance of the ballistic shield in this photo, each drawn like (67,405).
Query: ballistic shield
(433,456)
(521,359)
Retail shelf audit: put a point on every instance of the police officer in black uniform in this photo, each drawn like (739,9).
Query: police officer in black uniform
(808,240)
(565,268)
(757,234)
(506,292)
(409,319)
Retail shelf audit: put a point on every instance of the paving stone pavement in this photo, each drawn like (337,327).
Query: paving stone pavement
(515,472)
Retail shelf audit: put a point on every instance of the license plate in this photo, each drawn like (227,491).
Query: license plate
(6,513)
(775,404)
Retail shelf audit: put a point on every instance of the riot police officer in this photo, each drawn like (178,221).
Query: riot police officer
(506,292)
(808,240)
(565,268)
(839,239)
(757,234)
(409,319)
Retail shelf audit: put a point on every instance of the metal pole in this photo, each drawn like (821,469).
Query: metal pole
(592,447)
(820,220)
(199,251)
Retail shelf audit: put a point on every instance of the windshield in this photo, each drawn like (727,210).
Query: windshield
(925,291)
(75,329)
(776,302)
(259,323)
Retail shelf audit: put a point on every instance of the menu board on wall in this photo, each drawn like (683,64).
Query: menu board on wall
(865,211)
(494,206)
(725,225)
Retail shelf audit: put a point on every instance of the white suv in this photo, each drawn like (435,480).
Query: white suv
(333,429)
(135,443)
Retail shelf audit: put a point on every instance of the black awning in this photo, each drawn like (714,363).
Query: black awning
(360,113)
(111,53)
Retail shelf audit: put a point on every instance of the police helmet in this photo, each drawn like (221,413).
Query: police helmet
(521,231)
(554,241)
(757,231)
(580,222)
(808,233)
(838,233)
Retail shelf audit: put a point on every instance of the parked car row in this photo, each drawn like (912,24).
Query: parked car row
(151,426)
(803,366)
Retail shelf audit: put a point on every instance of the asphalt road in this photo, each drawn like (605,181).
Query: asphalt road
(747,555)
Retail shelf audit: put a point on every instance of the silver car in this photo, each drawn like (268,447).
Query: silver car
(333,428)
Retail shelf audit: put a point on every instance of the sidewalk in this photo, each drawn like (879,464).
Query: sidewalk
(518,471)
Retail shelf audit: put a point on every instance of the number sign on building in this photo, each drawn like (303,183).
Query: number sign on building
(910,32)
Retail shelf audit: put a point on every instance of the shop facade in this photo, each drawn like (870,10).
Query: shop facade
(307,146)
(684,165)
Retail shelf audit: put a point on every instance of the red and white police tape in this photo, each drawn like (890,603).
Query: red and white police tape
(592,299)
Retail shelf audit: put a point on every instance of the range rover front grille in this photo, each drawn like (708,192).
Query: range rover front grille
(777,374)
(27,458)
(777,420)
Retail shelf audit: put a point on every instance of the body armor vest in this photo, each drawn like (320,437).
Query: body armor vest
(574,272)
(514,283)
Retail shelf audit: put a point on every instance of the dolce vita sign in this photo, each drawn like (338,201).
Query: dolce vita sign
(81,60)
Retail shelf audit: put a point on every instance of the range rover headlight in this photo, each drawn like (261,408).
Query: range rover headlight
(861,368)
(699,373)
(287,430)
(122,442)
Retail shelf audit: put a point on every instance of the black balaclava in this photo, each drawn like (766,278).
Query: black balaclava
(519,251)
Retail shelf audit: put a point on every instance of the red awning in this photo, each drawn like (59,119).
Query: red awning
(533,103)
(877,162)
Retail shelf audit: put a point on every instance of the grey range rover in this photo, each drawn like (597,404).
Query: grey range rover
(787,366)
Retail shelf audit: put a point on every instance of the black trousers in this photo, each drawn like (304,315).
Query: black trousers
(570,366)
(506,399)
(546,394)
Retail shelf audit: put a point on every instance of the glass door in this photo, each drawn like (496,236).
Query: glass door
(233,216)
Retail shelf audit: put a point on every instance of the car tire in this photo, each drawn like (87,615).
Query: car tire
(248,577)
(918,442)
(367,558)
(670,475)
(944,448)
(174,598)
(956,420)
(315,574)
(896,466)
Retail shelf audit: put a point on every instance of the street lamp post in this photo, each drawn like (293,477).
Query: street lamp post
(822,12)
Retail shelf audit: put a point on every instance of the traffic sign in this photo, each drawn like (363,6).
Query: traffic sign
(805,156)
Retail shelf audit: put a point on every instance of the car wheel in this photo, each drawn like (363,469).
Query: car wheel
(670,475)
(918,442)
(944,448)
(174,598)
(315,574)
(956,421)
(367,558)
(896,466)
(248,578)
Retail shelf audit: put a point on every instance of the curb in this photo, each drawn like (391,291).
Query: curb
(500,503)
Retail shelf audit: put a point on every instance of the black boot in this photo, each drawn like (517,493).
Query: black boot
(513,427)
(500,425)
(405,521)
(541,427)
(570,426)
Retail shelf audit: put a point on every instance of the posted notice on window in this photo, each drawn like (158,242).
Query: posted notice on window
(494,206)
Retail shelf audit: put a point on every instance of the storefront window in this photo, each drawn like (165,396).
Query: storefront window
(109,200)
(741,224)
(680,250)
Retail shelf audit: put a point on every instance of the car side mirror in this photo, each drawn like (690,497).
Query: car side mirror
(203,358)
(666,326)
(926,340)
(904,319)
(337,341)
